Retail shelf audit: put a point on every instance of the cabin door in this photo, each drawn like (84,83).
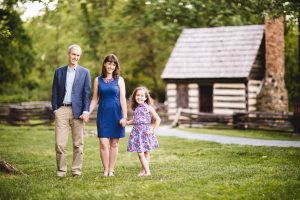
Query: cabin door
(206,98)
(182,98)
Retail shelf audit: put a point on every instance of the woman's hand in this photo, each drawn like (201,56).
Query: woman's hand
(123,122)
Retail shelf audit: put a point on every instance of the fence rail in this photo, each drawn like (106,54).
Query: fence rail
(39,113)
(275,121)
(264,121)
(190,118)
(29,113)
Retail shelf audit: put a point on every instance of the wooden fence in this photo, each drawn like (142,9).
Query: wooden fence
(29,113)
(39,113)
(264,121)
(190,118)
(245,120)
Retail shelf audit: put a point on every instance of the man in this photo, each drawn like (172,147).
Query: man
(71,91)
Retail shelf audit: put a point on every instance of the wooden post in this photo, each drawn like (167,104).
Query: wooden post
(190,118)
(175,123)
(296,118)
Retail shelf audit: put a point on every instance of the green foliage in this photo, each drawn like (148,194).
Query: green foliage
(142,33)
(91,11)
(188,169)
(202,13)
(16,54)
(291,65)
(52,33)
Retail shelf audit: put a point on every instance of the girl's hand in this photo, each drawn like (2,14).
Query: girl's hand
(149,132)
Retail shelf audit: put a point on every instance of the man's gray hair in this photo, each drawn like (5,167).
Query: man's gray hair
(74,46)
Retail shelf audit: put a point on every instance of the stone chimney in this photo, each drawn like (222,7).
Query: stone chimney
(273,96)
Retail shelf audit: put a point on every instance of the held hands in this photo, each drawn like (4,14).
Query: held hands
(85,117)
(123,122)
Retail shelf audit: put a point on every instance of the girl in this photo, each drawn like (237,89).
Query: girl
(109,93)
(142,138)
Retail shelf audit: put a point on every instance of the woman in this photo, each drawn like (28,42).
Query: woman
(109,93)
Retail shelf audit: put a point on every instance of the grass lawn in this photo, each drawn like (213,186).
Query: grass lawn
(258,134)
(181,169)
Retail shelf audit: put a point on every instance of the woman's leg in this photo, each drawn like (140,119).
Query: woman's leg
(144,163)
(113,154)
(104,154)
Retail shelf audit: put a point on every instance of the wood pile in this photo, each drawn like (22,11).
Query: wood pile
(29,113)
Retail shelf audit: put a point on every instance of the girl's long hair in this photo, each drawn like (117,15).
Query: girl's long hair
(113,59)
(133,103)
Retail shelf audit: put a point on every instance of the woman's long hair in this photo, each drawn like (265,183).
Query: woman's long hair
(113,59)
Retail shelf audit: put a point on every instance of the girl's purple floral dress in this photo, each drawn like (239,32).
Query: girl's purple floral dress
(139,140)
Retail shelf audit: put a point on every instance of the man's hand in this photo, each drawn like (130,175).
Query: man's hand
(85,117)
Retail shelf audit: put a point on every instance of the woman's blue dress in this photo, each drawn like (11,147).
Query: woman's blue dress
(109,111)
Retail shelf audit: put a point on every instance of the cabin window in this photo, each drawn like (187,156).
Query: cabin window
(182,98)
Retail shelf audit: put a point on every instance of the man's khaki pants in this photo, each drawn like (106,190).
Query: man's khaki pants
(64,120)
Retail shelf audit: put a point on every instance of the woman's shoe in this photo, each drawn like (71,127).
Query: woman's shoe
(142,172)
(105,173)
(111,173)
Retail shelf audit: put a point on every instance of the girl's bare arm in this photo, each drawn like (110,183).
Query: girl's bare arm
(156,118)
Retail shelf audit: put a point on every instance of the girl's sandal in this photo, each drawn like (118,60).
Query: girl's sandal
(141,174)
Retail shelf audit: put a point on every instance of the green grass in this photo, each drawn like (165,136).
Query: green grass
(258,134)
(181,169)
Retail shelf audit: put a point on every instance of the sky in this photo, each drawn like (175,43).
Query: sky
(32,9)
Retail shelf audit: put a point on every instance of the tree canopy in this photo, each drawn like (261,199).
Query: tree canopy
(141,33)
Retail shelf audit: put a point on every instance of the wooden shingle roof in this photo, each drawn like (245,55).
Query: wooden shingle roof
(219,52)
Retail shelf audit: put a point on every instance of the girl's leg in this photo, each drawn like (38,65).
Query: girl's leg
(113,154)
(104,154)
(142,171)
(147,156)
(144,163)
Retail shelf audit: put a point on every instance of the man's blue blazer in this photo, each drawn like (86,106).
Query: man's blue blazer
(81,90)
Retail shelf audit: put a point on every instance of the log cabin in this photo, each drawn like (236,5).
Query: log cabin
(223,70)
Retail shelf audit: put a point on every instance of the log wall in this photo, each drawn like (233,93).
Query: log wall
(229,98)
